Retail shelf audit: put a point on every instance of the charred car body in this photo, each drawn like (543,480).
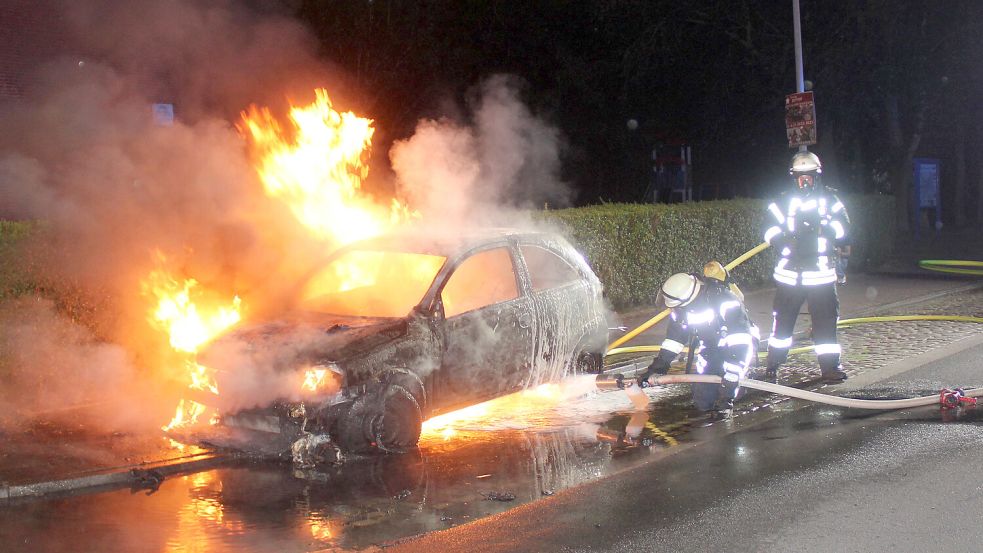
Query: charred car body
(398,329)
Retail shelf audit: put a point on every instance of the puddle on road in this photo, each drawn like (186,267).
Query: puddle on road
(517,451)
(493,460)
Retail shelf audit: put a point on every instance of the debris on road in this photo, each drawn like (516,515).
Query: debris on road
(499,496)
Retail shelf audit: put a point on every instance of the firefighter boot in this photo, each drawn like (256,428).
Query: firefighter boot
(770,375)
(833,374)
(728,394)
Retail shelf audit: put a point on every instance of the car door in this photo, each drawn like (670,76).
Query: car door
(489,328)
(564,310)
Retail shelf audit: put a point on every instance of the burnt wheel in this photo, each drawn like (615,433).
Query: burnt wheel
(587,362)
(388,420)
(397,426)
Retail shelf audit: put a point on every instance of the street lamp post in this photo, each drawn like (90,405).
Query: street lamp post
(799,76)
(797,25)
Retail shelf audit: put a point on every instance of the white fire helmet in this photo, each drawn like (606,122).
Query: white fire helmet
(680,289)
(805,162)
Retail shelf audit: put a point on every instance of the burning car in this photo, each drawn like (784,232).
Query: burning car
(396,329)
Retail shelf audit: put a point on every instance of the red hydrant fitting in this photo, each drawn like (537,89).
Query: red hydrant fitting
(953,399)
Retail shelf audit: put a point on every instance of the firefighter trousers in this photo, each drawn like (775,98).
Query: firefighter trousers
(824,308)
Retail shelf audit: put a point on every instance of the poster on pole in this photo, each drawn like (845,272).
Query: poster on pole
(800,119)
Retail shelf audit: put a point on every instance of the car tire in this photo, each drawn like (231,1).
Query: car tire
(397,428)
(587,362)
(413,385)
(389,420)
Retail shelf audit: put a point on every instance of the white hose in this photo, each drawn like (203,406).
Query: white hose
(887,404)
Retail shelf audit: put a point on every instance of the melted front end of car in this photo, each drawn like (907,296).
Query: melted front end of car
(305,424)
(320,410)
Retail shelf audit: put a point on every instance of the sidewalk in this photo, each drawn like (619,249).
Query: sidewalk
(44,462)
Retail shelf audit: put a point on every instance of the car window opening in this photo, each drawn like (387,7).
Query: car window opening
(547,269)
(485,278)
(371,283)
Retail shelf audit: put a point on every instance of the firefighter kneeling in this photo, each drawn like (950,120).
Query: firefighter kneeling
(708,316)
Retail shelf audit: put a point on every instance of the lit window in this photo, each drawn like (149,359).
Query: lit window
(485,278)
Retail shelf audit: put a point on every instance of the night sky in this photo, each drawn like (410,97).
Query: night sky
(892,79)
(713,74)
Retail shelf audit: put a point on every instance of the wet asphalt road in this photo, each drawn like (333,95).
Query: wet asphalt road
(543,474)
(816,479)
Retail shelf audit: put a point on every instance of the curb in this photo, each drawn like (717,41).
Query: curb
(146,476)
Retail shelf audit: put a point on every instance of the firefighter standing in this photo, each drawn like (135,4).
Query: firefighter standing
(808,227)
(709,316)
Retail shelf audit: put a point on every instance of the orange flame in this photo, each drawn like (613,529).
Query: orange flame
(527,404)
(318,172)
(190,320)
(315,164)
(188,326)
(313,379)
(321,530)
(187,413)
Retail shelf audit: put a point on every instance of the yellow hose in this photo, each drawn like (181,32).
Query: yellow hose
(649,323)
(747,255)
(893,318)
(952,266)
(841,323)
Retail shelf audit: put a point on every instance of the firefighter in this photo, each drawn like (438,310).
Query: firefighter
(808,226)
(709,317)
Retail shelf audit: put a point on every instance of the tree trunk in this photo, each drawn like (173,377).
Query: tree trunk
(904,151)
(901,170)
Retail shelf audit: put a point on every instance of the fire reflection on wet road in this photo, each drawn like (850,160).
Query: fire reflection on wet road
(473,464)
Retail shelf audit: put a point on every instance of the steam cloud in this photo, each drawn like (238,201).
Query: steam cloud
(81,152)
(60,365)
(506,158)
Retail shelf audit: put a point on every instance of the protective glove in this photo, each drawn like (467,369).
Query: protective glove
(658,366)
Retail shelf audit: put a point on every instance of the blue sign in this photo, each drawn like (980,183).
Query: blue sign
(927,181)
(163,114)
(926,177)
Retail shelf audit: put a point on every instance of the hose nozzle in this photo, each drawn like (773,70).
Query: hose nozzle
(606,382)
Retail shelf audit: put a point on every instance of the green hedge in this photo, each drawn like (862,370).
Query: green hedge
(634,247)
(15,278)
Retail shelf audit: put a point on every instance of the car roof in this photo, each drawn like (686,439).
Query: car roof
(445,244)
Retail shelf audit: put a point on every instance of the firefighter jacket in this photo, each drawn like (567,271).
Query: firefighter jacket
(807,227)
(726,340)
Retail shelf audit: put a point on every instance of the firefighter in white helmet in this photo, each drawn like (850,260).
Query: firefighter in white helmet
(709,317)
(808,226)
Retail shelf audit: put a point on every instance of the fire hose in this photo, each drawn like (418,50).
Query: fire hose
(949,399)
(956,266)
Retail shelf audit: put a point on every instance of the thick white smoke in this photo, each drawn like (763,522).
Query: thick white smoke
(62,370)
